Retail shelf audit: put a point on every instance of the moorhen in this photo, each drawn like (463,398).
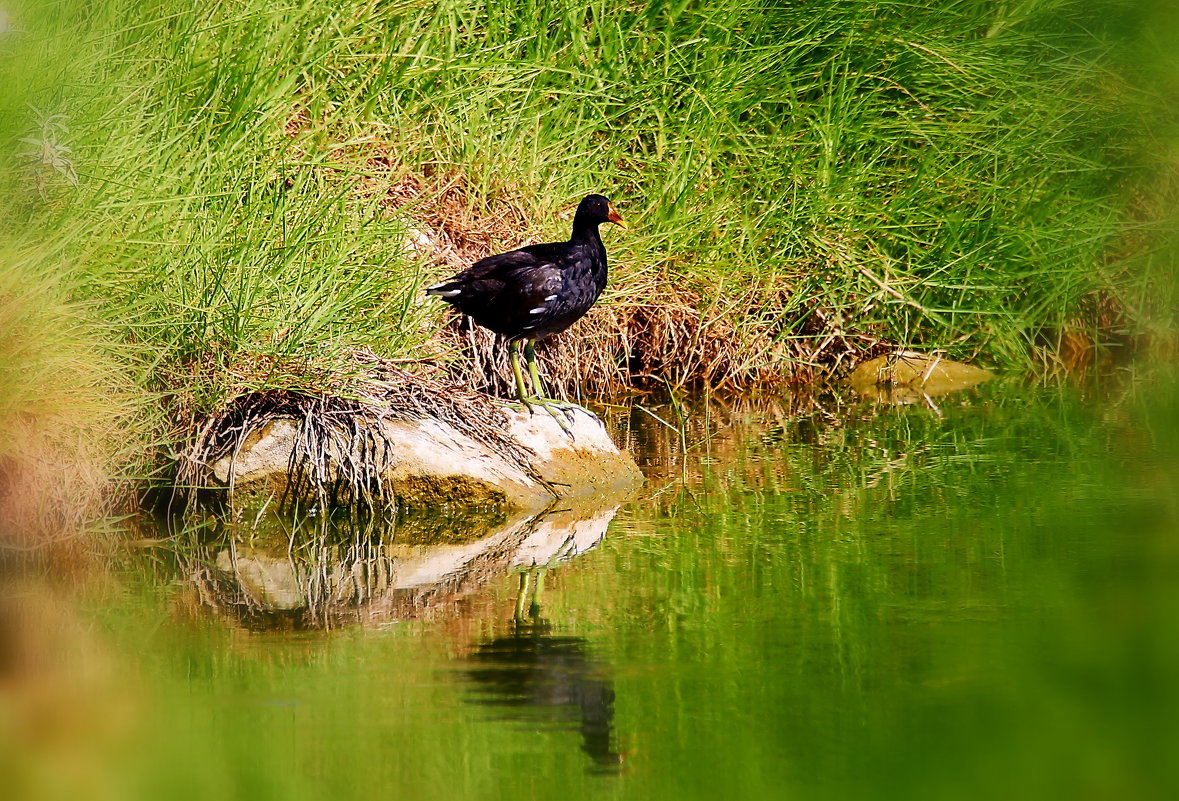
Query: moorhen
(536,291)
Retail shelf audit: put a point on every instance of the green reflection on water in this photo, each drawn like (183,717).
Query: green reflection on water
(817,600)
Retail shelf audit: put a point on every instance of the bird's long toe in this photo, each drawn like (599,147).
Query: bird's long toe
(561,413)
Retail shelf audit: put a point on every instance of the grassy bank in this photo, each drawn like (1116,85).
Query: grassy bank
(222,193)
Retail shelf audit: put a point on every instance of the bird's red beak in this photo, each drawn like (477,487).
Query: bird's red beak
(614,217)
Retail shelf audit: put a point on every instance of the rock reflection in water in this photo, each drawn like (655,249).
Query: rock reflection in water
(391,571)
(536,676)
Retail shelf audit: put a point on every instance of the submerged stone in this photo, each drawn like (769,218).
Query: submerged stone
(907,376)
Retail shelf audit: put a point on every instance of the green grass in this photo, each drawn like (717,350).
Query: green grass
(802,180)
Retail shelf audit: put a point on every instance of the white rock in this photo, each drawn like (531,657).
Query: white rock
(431,464)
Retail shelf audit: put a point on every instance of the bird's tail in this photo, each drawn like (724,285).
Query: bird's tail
(446,289)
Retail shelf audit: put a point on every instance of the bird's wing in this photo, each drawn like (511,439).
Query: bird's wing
(549,252)
(525,273)
(529,274)
(495,267)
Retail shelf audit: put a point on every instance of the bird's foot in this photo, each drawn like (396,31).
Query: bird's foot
(561,411)
(566,406)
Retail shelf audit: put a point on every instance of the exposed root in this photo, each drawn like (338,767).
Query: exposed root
(339,455)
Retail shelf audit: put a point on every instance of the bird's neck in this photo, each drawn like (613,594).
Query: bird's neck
(584,231)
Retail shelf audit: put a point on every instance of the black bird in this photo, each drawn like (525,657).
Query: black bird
(536,291)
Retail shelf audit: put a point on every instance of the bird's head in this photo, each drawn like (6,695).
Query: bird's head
(596,209)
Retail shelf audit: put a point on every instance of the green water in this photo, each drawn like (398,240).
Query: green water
(973,598)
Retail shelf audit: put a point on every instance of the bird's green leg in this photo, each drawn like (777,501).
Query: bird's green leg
(514,357)
(564,405)
(533,371)
(550,406)
(550,402)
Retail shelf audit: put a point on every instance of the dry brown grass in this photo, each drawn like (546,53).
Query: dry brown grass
(54,483)
(671,338)
(451,226)
(63,432)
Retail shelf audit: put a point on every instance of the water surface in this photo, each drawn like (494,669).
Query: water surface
(974,597)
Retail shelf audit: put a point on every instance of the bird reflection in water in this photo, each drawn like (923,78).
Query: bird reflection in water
(542,677)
